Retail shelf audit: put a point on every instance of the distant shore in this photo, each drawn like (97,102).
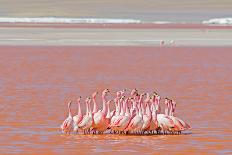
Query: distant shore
(131,34)
(115,25)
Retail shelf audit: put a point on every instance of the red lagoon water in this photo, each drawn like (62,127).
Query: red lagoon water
(37,82)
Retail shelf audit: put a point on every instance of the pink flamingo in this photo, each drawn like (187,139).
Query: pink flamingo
(122,122)
(181,125)
(67,125)
(77,119)
(157,103)
(95,109)
(107,119)
(147,116)
(87,121)
(164,122)
(99,118)
(118,114)
(154,122)
(119,94)
(136,114)
(136,123)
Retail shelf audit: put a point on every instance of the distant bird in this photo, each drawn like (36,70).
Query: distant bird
(162,43)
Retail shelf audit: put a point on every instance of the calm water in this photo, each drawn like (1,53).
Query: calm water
(36,83)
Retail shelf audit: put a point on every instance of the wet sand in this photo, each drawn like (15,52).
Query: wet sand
(37,81)
(115,34)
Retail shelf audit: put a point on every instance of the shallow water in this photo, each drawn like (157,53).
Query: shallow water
(37,82)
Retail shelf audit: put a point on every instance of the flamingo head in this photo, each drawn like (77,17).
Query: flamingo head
(166,100)
(123,92)
(130,100)
(142,95)
(122,98)
(69,104)
(79,99)
(155,93)
(134,92)
(89,99)
(118,94)
(152,98)
(147,96)
(94,94)
(105,92)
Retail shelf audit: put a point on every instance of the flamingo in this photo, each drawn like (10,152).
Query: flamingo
(77,119)
(119,94)
(154,111)
(136,123)
(181,125)
(135,114)
(157,103)
(122,122)
(67,125)
(118,114)
(100,116)
(107,119)
(95,109)
(165,123)
(87,121)
(147,117)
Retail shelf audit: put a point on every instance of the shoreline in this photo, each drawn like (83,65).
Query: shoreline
(116,25)
(165,35)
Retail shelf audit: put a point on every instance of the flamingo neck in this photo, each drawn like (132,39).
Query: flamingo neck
(69,111)
(124,107)
(127,110)
(116,103)
(79,108)
(90,112)
(134,103)
(171,109)
(142,106)
(140,110)
(154,115)
(104,104)
(87,107)
(166,107)
(108,111)
(117,108)
(174,108)
(121,108)
(148,110)
(94,105)
(136,110)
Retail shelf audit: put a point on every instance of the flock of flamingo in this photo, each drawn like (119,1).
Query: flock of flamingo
(137,114)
